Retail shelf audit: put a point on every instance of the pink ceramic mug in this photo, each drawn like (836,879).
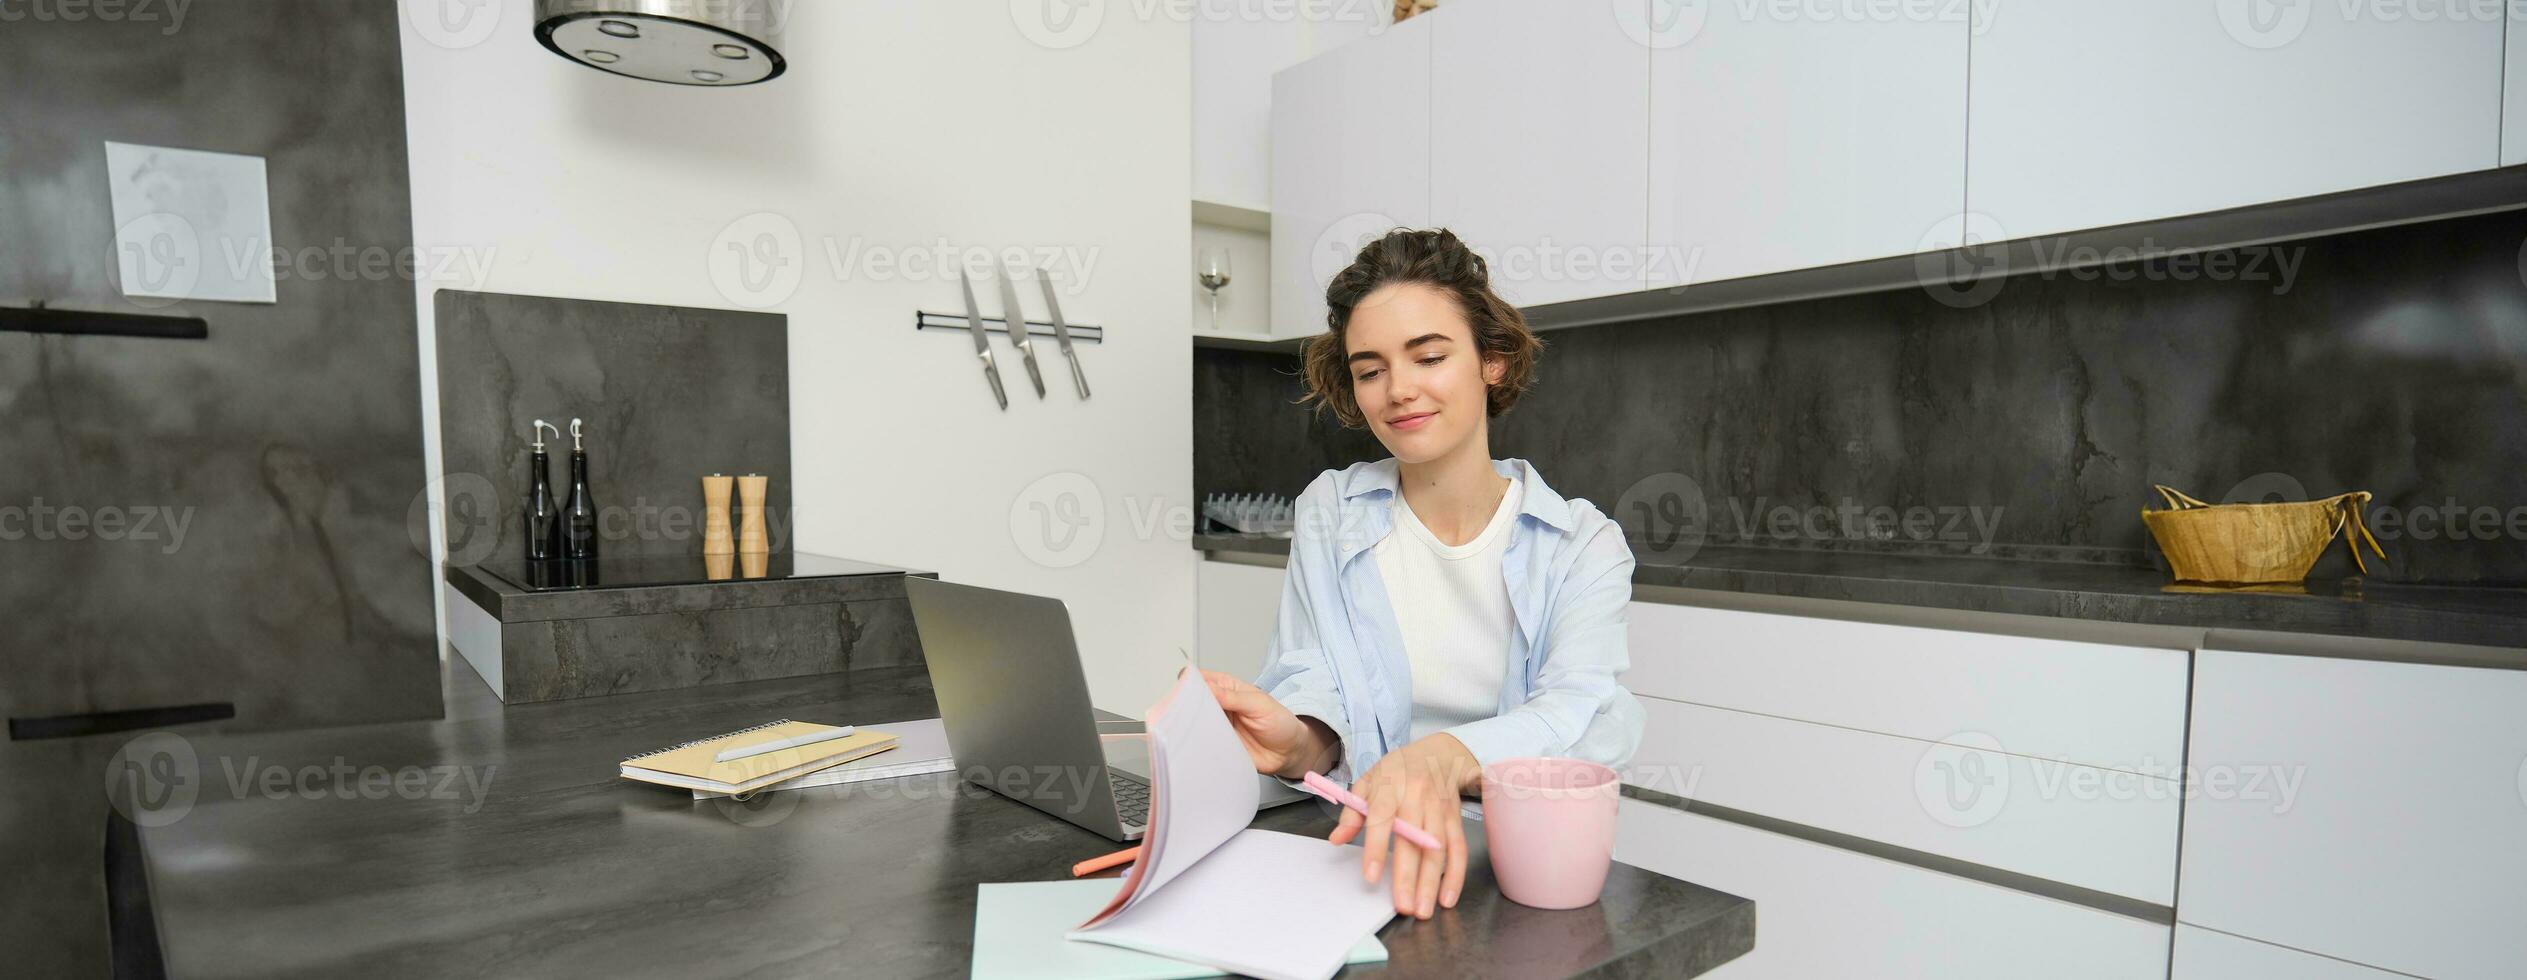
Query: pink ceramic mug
(1550,824)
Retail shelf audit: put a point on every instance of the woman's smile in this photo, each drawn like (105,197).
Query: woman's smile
(1411,421)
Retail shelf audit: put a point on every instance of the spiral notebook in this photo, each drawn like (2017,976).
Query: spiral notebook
(692,764)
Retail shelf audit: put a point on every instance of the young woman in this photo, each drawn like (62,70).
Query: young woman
(1444,609)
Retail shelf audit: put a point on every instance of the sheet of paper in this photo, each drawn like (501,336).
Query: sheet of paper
(190,224)
(1265,904)
(1019,929)
(1202,788)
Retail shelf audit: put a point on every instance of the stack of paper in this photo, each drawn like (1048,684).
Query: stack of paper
(1207,889)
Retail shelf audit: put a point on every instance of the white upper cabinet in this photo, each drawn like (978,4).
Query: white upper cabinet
(1538,149)
(2086,114)
(1350,160)
(1788,142)
(2514,98)
(1234,59)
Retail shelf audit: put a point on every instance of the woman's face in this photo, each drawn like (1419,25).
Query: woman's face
(1416,373)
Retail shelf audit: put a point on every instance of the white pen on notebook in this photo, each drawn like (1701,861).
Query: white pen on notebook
(776,745)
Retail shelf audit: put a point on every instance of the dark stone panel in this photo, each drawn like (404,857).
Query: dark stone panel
(668,393)
(288,442)
(2392,360)
(552,660)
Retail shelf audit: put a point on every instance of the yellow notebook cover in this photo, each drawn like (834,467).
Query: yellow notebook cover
(691,765)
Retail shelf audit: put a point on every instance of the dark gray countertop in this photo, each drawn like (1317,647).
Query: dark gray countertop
(561,867)
(795,579)
(2073,590)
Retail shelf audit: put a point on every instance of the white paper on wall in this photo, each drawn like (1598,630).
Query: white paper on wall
(190,224)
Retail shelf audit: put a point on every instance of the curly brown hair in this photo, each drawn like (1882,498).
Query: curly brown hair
(1435,258)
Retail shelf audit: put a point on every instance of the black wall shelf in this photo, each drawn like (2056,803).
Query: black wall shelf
(38,318)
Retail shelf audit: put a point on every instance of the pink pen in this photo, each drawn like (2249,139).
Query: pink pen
(1328,789)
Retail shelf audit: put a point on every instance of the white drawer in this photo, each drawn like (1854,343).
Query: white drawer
(2202,954)
(2094,704)
(2100,829)
(1825,912)
(2402,842)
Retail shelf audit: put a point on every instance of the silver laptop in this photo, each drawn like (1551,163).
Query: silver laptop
(1005,668)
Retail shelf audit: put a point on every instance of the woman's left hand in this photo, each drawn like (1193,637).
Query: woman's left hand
(1419,783)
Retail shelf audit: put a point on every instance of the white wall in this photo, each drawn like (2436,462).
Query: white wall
(899,127)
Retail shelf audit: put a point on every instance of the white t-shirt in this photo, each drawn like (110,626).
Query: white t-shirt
(1452,607)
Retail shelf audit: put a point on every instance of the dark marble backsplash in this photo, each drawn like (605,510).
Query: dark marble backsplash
(669,393)
(2031,425)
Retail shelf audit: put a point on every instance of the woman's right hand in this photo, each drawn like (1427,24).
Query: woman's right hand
(1280,743)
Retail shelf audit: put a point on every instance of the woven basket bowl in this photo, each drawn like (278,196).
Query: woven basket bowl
(2248,544)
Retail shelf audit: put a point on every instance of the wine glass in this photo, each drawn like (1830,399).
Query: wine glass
(1214,271)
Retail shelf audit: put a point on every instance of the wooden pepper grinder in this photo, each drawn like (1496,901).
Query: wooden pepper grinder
(750,495)
(716,539)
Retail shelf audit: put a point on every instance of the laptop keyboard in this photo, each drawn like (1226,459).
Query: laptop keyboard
(1131,798)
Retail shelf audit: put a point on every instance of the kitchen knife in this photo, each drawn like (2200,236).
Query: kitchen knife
(1061,333)
(1015,316)
(982,341)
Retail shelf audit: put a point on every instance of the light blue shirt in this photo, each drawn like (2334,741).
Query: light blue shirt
(1337,657)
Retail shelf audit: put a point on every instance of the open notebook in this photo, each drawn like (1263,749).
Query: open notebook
(1207,889)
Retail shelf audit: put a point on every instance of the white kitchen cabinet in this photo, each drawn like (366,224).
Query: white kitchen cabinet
(2108,831)
(1234,59)
(2095,704)
(2514,94)
(1350,161)
(1236,605)
(2202,954)
(1825,912)
(1538,151)
(1780,143)
(2372,812)
(2087,114)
